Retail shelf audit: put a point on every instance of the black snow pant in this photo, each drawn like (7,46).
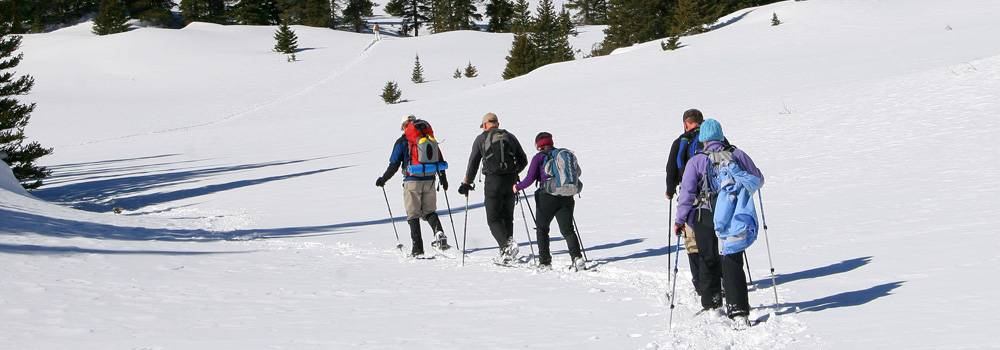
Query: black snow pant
(717,272)
(560,208)
(500,198)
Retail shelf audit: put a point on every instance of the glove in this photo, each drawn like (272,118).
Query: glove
(380,181)
(444,182)
(464,189)
(670,195)
(678,229)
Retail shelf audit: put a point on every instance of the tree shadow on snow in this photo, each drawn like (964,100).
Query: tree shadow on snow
(840,267)
(30,249)
(845,299)
(110,161)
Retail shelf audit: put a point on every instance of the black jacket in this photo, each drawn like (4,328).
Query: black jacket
(476,156)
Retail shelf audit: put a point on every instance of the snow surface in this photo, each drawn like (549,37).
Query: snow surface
(250,219)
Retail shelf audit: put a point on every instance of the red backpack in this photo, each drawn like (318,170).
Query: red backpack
(425,153)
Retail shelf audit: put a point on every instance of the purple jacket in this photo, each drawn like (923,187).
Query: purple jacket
(535,172)
(695,170)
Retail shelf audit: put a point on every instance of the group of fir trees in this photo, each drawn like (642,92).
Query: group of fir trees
(635,21)
(439,15)
(538,40)
(15,150)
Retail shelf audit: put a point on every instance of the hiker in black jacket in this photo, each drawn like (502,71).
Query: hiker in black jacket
(683,148)
(502,158)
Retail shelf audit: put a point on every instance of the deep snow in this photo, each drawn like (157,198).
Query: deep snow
(251,220)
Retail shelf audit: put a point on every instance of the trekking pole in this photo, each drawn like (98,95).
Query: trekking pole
(393,219)
(747,261)
(465,228)
(670,233)
(774,284)
(527,232)
(454,233)
(674,288)
(579,240)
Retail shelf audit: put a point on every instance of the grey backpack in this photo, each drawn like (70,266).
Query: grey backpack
(563,173)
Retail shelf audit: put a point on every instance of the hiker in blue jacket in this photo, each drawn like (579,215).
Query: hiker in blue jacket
(714,201)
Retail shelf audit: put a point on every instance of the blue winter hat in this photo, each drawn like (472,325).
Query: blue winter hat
(710,130)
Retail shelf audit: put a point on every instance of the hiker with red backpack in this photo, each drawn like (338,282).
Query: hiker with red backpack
(715,201)
(557,174)
(419,157)
(502,158)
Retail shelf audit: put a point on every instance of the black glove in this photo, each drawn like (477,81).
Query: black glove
(444,181)
(678,229)
(380,181)
(464,189)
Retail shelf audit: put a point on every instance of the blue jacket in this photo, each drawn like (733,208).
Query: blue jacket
(735,216)
(401,156)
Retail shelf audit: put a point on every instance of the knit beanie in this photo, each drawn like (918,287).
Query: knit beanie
(543,139)
(711,130)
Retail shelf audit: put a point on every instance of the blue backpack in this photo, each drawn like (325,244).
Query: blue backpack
(688,148)
(563,173)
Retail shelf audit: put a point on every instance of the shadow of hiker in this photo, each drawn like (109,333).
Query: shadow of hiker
(840,267)
(845,299)
(30,249)
(648,252)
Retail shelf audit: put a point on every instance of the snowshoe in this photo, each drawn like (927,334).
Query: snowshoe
(579,264)
(440,242)
(741,322)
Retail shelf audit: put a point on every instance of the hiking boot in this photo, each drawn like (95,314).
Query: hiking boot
(512,249)
(579,264)
(440,241)
(545,266)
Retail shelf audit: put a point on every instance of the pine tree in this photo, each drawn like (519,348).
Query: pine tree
(565,23)
(464,15)
(257,12)
(471,71)
(458,73)
(441,15)
(112,18)
(356,11)
(153,12)
(286,41)
(521,59)
(418,71)
(317,13)
(689,17)
(211,11)
(413,12)
(14,116)
(774,19)
(589,12)
(500,13)
(521,21)
(391,93)
(549,38)
(673,43)
(634,21)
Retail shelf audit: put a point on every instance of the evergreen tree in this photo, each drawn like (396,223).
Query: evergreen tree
(257,12)
(521,59)
(673,43)
(14,116)
(565,23)
(418,72)
(441,15)
(633,21)
(471,71)
(589,12)
(549,38)
(317,13)
(112,18)
(689,17)
(458,73)
(500,13)
(153,12)
(413,12)
(356,11)
(521,21)
(211,11)
(774,19)
(286,41)
(390,93)
(464,15)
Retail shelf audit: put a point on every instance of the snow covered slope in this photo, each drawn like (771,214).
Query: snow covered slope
(251,220)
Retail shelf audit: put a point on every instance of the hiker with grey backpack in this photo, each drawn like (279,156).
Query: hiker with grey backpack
(417,155)
(716,202)
(557,174)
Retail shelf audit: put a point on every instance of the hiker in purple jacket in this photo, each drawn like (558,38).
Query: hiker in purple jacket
(550,206)
(699,217)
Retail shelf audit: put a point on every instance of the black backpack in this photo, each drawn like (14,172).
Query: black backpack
(498,153)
